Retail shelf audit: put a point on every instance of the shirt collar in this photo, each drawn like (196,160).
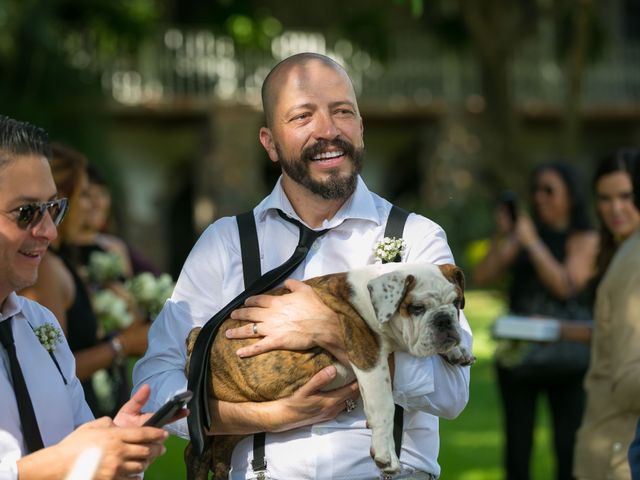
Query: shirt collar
(360,205)
(11,306)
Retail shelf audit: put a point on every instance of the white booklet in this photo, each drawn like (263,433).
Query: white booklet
(518,327)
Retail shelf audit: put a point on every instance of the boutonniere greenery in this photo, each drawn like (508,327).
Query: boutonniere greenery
(49,336)
(389,249)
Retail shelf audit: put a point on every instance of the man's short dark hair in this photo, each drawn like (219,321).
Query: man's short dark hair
(21,138)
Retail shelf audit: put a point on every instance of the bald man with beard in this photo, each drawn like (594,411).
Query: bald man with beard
(313,130)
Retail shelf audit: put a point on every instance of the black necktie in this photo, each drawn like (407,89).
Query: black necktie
(30,430)
(199,362)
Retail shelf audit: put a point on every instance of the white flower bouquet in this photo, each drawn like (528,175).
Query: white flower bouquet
(150,292)
(112,310)
(103,387)
(104,267)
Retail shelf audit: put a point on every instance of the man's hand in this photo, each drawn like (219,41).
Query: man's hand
(296,321)
(125,451)
(308,405)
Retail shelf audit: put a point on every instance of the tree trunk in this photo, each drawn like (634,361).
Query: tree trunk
(574,73)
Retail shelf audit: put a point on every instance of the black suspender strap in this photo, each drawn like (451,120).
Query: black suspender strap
(395,222)
(250,250)
(259,462)
(249,247)
(251,270)
(395,228)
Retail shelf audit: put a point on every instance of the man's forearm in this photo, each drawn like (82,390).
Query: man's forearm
(45,464)
(245,418)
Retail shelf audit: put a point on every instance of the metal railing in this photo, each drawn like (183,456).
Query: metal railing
(196,68)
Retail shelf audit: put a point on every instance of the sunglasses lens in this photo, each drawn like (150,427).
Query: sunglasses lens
(57,210)
(28,215)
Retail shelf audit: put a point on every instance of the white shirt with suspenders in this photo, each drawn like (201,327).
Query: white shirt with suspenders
(338,449)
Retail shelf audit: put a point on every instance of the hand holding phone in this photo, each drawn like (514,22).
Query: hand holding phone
(508,199)
(165,413)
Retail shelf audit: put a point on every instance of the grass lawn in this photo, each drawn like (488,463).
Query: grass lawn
(471,444)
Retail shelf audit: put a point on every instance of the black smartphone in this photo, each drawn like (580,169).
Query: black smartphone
(510,201)
(169,409)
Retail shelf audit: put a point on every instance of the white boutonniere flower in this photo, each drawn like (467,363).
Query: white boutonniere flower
(388,249)
(49,336)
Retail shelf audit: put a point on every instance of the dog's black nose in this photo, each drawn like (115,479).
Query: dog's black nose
(442,320)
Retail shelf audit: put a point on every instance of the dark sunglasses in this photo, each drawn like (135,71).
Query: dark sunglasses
(31,214)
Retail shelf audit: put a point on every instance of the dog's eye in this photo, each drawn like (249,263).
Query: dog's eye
(416,309)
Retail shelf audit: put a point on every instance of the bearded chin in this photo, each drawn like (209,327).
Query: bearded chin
(336,187)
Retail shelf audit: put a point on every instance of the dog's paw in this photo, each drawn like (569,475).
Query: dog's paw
(459,355)
(384,454)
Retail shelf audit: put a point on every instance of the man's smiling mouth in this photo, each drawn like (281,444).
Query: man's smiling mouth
(328,155)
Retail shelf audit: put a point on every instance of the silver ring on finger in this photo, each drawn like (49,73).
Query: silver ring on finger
(255,329)
(351,405)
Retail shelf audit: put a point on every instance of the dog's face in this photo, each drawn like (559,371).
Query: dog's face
(419,306)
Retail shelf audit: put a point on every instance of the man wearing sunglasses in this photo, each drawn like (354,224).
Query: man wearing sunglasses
(45,423)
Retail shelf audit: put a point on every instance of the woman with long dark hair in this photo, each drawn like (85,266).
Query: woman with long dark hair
(548,258)
(614,196)
(613,380)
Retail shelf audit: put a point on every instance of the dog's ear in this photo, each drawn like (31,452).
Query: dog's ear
(387,292)
(455,276)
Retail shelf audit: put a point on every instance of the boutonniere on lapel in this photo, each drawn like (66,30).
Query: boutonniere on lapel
(49,336)
(389,249)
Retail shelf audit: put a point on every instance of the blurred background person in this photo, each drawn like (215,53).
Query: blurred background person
(613,380)
(98,233)
(94,233)
(548,259)
(615,207)
(61,289)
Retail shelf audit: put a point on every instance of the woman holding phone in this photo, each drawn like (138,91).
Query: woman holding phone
(548,259)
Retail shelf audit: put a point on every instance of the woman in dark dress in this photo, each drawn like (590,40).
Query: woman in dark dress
(549,259)
(61,289)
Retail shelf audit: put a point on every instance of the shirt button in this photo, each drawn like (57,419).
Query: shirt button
(617,446)
(315,246)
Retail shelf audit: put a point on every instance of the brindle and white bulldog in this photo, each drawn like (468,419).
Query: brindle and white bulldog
(382,308)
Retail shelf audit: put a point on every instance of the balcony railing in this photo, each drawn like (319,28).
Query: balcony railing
(197,68)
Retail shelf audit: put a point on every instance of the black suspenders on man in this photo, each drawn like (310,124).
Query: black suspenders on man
(250,250)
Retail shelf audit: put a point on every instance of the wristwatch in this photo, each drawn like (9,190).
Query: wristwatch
(118,350)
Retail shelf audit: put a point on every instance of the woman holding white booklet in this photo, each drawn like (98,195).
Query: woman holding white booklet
(549,258)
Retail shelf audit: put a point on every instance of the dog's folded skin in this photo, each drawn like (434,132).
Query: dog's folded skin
(382,309)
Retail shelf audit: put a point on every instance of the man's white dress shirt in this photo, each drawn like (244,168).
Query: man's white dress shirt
(338,449)
(59,408)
